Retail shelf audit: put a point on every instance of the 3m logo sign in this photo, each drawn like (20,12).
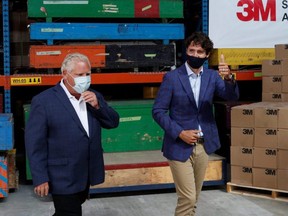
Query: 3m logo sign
(257,10)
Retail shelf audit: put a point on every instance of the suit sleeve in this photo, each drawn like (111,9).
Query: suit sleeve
(36,142)
(227,90)
(160,110)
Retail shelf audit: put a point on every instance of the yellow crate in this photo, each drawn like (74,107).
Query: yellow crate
(242,56)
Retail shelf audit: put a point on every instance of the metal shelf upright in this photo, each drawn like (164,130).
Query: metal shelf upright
(6,55)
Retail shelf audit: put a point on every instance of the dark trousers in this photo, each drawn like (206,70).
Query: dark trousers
(69,204)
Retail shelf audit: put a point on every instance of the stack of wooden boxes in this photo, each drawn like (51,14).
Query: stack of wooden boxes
(105,36)
(259,131)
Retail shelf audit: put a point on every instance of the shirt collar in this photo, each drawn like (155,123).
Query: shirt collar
(190,72)
(69,95)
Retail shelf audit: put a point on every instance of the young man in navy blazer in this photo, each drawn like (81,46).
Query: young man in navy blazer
(184,109)
(63,137)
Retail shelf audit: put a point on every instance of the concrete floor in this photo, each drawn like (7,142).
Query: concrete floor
(213,202)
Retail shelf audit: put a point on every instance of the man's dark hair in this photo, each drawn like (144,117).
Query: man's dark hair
(199,38)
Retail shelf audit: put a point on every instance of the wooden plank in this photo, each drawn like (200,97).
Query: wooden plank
(152,169)
(260,192)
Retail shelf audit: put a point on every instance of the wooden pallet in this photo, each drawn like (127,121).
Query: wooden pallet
(149,170)
(267,193)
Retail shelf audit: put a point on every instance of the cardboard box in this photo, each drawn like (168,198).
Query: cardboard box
(266,115)
(242,136)
(271,67)
(283,116)
(284,82)
(282,139)
(242,116)
(275,97)
(241,156)
(282,179)
(265,158)
(282,159)
(281,51)
(242,175)
(272,84)
(265,177)
(266,137)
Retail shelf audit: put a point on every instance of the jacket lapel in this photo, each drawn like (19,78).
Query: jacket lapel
(204,85)
(61,95)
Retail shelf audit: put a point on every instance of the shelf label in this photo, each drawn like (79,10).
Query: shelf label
(131,118)
(26,81)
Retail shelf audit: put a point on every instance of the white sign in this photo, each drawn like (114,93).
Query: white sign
(248,23)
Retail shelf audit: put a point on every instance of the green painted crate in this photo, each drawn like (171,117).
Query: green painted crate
(137,130)
(105,8)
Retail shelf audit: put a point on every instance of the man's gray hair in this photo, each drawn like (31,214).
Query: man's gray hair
(72,59)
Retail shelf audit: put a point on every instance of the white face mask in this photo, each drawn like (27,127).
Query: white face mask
(81,83)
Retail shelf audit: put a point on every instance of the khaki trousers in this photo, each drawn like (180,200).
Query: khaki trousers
(188,179)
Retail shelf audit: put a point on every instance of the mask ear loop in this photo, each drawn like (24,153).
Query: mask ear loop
(68,81)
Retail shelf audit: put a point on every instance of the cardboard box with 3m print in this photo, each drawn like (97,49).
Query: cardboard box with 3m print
(265,158)
(242,175)
(265,177)
(242,136)
(281,51)
(241,156)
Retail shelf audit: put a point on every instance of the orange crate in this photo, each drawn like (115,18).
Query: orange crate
(52,56)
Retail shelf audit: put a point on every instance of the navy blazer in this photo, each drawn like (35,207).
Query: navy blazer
(58,148)
(175,110)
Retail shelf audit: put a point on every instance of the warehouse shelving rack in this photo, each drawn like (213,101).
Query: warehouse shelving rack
(8,81)
(4,81)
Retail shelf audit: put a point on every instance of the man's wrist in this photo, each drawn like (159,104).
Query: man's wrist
(229,77)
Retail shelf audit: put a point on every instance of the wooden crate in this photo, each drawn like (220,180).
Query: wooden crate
(106,9)
(53,56)
(12,171)
(148,168)
(267,193)
(110,56)
(106,31)
(242,56)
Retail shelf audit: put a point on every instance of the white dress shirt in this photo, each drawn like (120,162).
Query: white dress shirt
(195,83)
(79,106)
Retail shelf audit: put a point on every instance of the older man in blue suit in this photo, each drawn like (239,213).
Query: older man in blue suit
(63,137)
(184,109)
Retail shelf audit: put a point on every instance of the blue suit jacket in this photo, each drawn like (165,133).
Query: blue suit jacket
(58,148)
(175,110)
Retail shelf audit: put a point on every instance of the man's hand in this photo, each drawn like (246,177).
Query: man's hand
(189,136)
(42,190)
(223,68)
(90,97)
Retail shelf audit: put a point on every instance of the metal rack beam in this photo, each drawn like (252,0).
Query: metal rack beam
(6,56)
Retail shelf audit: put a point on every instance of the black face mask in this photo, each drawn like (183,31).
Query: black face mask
(195,62)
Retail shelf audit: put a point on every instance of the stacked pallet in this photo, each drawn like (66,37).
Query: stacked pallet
(116,44)
(259,151)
